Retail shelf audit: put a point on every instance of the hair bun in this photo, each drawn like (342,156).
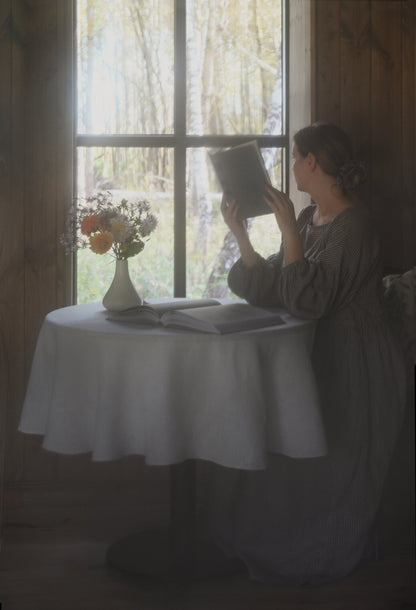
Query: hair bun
(351,175)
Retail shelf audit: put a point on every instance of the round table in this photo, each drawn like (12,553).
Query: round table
(173,396)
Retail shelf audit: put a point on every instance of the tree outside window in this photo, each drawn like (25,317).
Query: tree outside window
(160,83)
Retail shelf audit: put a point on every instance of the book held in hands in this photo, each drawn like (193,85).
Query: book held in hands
(243,176)
(203,315)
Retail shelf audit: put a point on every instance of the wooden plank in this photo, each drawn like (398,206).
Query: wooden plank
(40,114)
(408,128)
(355,85)
(12,226)
(54,557)
(386,91)
(65,144)
(5,196)
(327,61)
(41,119)
(313,59)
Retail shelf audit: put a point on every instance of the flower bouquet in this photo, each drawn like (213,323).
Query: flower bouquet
(121,229)
(103,225)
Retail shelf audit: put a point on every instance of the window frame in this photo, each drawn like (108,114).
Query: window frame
(180,141)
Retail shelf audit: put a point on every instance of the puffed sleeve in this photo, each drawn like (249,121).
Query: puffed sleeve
(326,279)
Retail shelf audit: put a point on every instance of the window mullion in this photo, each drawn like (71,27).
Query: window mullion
(158,141)
(286,85)
(179,272)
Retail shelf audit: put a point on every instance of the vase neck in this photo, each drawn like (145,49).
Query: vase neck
(122,263)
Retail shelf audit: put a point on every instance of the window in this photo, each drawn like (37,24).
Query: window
(159,84)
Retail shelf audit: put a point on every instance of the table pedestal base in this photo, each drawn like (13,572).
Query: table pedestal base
(177,552)
(154,554)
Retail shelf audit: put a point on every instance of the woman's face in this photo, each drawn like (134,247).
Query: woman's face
(299,167)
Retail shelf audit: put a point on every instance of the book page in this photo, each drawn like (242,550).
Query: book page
(184,303)
(234,317)
(150,313)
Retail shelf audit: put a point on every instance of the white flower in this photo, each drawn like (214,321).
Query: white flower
(120,228)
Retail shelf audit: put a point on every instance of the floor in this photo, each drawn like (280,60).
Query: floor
(53,558)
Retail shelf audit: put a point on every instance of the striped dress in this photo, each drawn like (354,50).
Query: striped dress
(307,521)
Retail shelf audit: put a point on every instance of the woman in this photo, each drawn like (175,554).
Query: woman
(307,521)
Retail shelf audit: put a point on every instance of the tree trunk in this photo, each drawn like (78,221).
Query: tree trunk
(200,200)
(217,286)
(217,282)
(89,182)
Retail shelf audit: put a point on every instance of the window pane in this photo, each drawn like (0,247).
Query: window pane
(125,86)
(234,67)
(125,66)
(210,248)
(144,174)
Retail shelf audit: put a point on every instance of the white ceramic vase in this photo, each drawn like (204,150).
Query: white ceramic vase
(121,294)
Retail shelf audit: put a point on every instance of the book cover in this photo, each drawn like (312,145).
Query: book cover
(242,175)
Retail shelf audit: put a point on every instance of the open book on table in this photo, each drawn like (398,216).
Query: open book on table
(204,315)
(242,175)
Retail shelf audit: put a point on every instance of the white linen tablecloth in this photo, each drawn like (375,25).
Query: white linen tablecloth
(116,389)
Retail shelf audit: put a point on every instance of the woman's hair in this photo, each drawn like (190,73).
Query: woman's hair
(333,151)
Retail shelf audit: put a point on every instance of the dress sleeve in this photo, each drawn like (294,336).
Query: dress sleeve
(322,282)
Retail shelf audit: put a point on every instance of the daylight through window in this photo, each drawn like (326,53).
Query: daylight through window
(159,84)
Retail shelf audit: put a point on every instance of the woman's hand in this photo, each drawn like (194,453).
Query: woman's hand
(229,211)
(284,212)
(282,207)
(238,226)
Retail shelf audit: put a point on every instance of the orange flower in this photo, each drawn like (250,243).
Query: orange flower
(100,243)
(89,224)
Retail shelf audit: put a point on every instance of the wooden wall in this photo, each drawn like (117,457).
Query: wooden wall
(363,77)
(35,183)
